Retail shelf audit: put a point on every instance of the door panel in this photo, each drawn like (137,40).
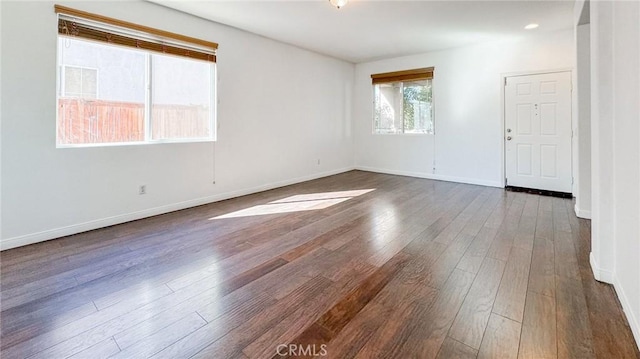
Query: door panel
(523,127)
(524,159)
(548,119)
(538,131)
(547,87)
(524,88)
(548,161)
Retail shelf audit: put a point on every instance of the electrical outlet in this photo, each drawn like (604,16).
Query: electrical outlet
(318,162)
(142,189)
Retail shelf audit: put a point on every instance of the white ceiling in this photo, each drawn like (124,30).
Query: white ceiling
(366,30)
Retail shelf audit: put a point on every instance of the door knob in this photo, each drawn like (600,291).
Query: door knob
(508,138)
(508,130)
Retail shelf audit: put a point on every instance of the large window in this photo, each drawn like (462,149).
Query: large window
(403,102)
(121,83)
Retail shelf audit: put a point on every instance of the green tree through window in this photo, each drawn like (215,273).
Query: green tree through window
(416,96)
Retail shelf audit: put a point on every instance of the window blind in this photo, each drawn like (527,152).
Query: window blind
(406,75)
(81,24)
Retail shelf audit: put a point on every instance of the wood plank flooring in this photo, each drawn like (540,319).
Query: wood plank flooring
(413,268)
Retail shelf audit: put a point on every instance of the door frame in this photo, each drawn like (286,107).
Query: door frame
(503,117)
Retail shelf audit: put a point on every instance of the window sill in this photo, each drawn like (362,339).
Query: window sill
(402,134)
(121,144)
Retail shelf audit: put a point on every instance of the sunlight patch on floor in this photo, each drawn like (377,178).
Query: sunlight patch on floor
(297,203)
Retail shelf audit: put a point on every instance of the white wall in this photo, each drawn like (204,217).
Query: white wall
(281,109)
(602,210)
(615,153)
(626,149)
(468,141)
(582,123)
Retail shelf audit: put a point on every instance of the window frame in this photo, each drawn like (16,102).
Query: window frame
(402,77)
(165,37)
(213,122)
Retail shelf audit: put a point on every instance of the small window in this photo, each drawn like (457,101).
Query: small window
(403,102)
(121,83)
(80,82)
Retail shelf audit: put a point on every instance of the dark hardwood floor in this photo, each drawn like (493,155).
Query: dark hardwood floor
(412,268)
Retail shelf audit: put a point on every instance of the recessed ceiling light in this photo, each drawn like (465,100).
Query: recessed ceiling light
(531,26)
(338,3)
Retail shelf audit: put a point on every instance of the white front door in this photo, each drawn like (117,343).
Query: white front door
(538,131)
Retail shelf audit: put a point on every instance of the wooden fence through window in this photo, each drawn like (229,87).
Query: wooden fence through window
(82,121)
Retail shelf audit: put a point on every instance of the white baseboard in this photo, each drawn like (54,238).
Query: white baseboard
(432,176)
(626,307)
(581,213)
(610,278)
(32,238)
(600,274)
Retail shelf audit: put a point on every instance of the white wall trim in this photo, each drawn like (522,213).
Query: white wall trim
(626,307)
(432,176)
(32,238)
(610,278)
(600,274)
(582,213)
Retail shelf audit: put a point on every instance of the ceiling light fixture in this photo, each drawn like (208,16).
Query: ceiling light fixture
(338,3)
(531,26)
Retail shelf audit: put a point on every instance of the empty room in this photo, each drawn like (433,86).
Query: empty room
(320,179)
